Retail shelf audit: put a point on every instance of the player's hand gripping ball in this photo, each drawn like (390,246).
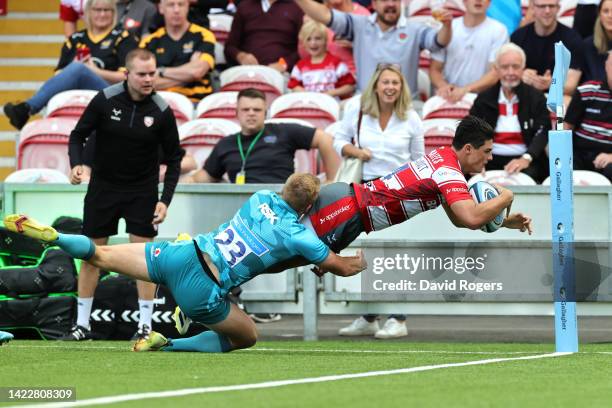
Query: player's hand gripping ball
(482,191)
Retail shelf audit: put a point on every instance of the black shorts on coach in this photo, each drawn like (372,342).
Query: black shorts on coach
(104,207)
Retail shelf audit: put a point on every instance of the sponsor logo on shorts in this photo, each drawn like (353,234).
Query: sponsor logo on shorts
(333,215)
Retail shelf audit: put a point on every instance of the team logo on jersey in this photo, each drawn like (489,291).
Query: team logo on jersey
(402,36)
(267,212)
(188,47)
(160,50)
(148,121)
(116,113)
(105,44)
(270,139)
(156,252)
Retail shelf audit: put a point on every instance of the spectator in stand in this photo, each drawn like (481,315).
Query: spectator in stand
(390,134)
(185,52)
(265,33)
(136,16)
(585,16)
(597,46)
(466,64)
(92,58)
(321,71)
(518,114)
(263,153)
(590,116)
(336,44)
(198,12)
(385,36)
(538,41)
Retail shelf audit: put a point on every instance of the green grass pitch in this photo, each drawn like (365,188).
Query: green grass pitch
(104,369)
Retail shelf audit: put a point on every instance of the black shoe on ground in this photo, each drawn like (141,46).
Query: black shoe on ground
(265,317)
(18,114)
(142,333)
(77,333)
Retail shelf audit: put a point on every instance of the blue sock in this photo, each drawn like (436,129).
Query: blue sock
(77,246)
(207,342)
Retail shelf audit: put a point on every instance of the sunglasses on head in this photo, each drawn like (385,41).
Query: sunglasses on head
(384,65)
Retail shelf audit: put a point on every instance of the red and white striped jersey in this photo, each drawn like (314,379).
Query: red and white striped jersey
(414,188)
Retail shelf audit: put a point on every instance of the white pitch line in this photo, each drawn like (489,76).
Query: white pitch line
(273,384)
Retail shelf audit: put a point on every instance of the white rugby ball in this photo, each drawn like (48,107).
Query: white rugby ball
(482,191)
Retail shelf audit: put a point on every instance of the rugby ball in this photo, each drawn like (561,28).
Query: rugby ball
(482,191)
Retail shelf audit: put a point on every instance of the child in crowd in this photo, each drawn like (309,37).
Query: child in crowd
(321,71)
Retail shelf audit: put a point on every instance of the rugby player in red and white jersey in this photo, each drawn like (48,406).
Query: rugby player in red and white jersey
(343,211)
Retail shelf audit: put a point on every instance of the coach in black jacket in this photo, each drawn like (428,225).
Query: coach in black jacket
(533,116)
(131,124)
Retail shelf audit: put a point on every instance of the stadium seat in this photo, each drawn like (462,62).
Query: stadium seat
(180,104)
(425,60)
(423,8)
(305,160)
(266,79)
(220,25)
(437,107)
(69,104)
(504,179)
(567,8)
(43,143)
(320,110)
(438,133)
(220,105)
(424,85)
(37,176)
(198,137)
(585,178)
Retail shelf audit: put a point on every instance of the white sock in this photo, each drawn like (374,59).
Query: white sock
(146,312)
(84,311)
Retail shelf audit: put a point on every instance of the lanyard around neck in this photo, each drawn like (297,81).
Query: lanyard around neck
(242,154)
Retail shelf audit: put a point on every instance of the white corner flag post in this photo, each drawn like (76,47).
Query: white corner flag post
(562,211)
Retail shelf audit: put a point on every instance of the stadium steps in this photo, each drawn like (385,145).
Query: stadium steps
(31,38)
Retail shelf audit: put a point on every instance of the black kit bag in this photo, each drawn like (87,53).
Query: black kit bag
(20,250)
(115,312)
(68,225)
(54,273)
(50,317)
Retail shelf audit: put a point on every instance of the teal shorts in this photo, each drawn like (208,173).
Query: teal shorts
(176,265)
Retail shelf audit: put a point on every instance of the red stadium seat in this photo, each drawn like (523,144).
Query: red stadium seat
(181,106)
(220,105)
(438,133)
(503,179)
(585,178)
(437,107)
(320,110)
(266,79)
(198,137)
(69,104)
(43,143)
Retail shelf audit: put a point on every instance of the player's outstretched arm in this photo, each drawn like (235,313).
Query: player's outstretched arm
(344,265)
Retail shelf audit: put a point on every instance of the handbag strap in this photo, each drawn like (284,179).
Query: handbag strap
(358,127)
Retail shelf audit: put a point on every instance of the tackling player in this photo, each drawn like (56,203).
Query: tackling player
(200,273)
